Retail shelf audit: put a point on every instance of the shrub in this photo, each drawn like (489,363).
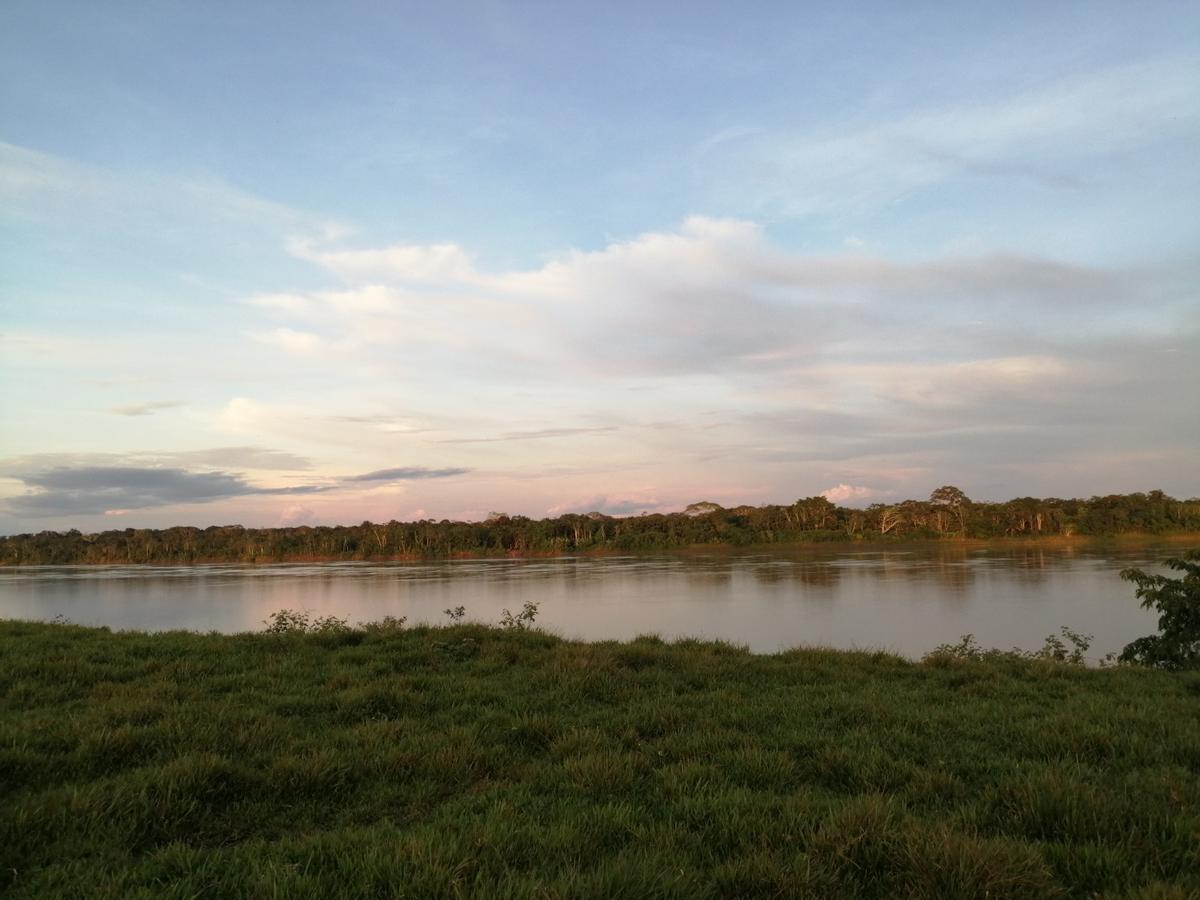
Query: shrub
(291,621)
(1177,645)
(522,620)
(1054,649)
(966,648)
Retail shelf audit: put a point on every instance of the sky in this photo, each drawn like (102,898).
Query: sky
(318,263)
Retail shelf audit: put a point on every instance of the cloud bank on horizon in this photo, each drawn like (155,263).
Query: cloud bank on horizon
(482,259)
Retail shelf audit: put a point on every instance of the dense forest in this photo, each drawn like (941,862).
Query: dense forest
(947,513)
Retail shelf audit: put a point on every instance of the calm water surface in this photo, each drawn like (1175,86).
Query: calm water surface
(905,600)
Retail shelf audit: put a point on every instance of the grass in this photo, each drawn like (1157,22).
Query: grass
(476,762)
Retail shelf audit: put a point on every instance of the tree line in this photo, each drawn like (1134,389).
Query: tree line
(947,513)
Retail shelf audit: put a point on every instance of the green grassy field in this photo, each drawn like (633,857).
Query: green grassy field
(470,761)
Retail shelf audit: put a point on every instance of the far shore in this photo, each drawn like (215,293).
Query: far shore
(1055,542)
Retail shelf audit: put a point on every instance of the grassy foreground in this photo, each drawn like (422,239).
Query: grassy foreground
(470,761)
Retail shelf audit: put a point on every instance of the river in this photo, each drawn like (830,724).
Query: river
(904,599)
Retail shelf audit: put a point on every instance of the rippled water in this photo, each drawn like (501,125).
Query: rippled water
(907,600)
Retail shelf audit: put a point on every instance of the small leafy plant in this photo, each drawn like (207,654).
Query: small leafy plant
(291,621)
(1054,649)
(965,648)
(523,620)
(456,614)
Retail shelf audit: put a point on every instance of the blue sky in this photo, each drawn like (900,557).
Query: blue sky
(561,257)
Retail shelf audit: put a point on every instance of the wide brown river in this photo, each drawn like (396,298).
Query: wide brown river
(904,599)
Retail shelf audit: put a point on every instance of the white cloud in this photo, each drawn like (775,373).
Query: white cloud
(402,262)
(221,458)
(320,423)
(290,339)
(851,494)
(296,514)
(694,356)
(43,187)
(960,384)
(713,297)
(1035,133)
(626,504)
(146,408)
(366,300)
(24,171)
(286,303)
(753,352)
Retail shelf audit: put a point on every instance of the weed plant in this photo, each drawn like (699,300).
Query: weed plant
(469,761)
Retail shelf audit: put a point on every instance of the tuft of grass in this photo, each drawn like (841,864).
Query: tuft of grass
(469,761)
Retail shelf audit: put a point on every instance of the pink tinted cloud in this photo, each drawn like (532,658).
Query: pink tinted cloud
(297,515)
(852,494)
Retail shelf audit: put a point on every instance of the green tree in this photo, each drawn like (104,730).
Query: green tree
(953,499)
(1177,645)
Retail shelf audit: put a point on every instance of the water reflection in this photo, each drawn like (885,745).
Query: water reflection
(817,577)
(907,600)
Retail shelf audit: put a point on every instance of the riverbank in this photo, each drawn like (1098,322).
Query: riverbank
(1184,539)
(948,516)
(470,761)
(859,543)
